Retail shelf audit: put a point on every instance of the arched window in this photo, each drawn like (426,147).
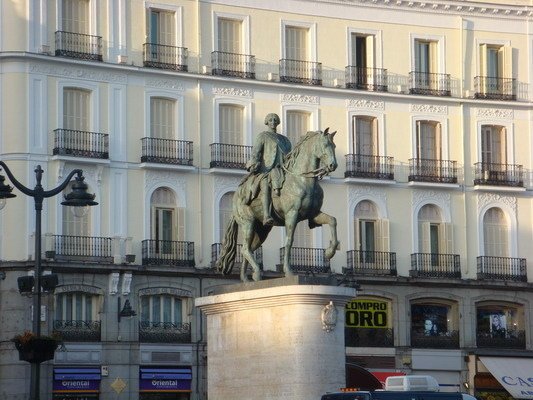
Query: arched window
(434,236)
(162,118)
(167,220)
(225,211)
(434,324)
(365,226)
(495,233)
(161,308)
(163,318)
(369,322)
(77,316)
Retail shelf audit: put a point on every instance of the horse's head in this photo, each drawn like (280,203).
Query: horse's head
(324,148)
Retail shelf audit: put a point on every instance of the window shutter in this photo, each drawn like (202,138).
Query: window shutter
(296,43)
(503,145)
(180,224)
(75,16)
(419,148)
(483,60)
(425,237)
(353,49)
(375,137)
(297,125)
(370,62)
(505,61)
(162,124)
(76,109)
(446,238)
(357,233)
(438,141)
(230,124)
(229,35)
(383,235)
(433,58)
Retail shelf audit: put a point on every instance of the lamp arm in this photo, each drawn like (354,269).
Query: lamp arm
(59,189)
(27,191)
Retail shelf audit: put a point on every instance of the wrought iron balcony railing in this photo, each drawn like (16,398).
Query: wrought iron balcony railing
(78,331)
(498,174)
(494,88)
(168,252)
(501,268)
(429,83)
(233,64)
(370,167)
(164,332)
(444,340)
(165,57)
(216,248)
(306,260)
(232,156)
(371,262)
(436,171)
(363,78)
(79,45)
(298,71)
(502,339)
(369,337)
(432,265)
(166,151)
(84,248)
(69,142)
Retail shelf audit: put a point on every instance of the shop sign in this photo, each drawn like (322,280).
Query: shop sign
(165,380)
(76,386)
(76,380)
(362,313)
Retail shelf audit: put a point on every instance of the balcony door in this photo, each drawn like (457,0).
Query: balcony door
(434,235)
(493,148)
(162,118)
(425,63)
(230,35)
(495,64)
(76,109)
(362,57)
(161,27)
(75,225)
(297,123)
(231,124)
(296,43)
(75,16)
(371,234)
(167,221)
(428,140)
(495,233)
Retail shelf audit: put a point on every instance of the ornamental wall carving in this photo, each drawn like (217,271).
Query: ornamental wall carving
(165,290)
(79,288)
(441,199)
(224,184)
(165,84)
(378,196)
(232,91)
(365,104)
(486,199)
(299,98)
(429,109)
(155,179)
(78,73)
(495,113)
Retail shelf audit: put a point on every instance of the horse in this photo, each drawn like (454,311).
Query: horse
(300,199)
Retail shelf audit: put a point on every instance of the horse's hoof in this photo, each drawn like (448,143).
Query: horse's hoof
(330,251)
(244,278)
(256,276)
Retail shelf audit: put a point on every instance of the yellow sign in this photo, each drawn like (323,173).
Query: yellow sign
(367,314)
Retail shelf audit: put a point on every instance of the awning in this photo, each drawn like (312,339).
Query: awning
(165,380)
(514,374)
(76,380)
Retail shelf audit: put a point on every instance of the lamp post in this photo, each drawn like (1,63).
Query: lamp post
(79,197)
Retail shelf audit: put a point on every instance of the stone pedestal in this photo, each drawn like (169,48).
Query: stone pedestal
(275,339)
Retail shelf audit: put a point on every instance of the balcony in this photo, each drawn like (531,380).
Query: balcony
(429,84)
(165,57)
(82,248)
(369,337)
(303,72)
(166,151)
(369,167)
(498,174)
(233,65)
(78,45)
(78,331)
(506,339)
(164,332)
(371,263)
(216,248)
(231,156)
(444,340)
(306,260)
(494,88)
(501,268)
(363,78)
(434,171)
(69,142)
(168,253)
(433,265)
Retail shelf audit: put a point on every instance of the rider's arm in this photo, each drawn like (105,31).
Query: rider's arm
(257,154)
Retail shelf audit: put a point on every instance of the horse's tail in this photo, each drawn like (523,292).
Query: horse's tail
(229,248)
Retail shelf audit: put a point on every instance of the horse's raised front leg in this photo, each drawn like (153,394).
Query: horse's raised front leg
(248,256)
(322,219)
(291,219)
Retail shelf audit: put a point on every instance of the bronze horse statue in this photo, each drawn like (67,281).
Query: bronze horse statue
(300,199)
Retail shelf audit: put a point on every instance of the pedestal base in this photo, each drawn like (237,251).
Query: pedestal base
(275,340)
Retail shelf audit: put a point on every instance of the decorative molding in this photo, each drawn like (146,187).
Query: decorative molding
(429,109)
(232,91)
(329,317)
(165,178)
(114,277)
(495,113)
(126,283)
(485,199)
(165,84)
(357,194)
(365,104)
(299,98)
(165,290)
(79,288)
(225,184)
(78,73)
(441,199)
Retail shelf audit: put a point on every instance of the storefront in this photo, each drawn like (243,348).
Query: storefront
(508,378)
(165,383)
(79,383)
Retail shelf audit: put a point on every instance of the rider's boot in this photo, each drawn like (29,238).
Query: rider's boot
(265,199)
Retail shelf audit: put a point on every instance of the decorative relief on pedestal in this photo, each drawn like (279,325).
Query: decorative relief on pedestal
(420,197)
(232,91)
(165,84)
(495,113)
(485,199)
(78,73)
(224,184)
(356,194)
(299,98)
(429,109)
(365,104)
(329,317)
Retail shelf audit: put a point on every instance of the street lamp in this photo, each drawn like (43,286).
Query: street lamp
(79,197)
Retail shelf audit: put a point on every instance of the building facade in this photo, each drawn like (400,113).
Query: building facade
(159,103)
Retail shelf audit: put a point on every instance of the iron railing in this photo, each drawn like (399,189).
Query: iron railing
(70,142)
(167,252)
(369,337)
(233,64)
(78,331)
(216,248)
(363,78)
(306,260)
(498,174)
(165,57)
(437,171)
(430,84)
(433,265)
(502,268)
(494,88)
(371,167)
(371,262)
(444,340)
(298,71)
(166,151)
(164,332)
(78,45)
(232,156)
(85,248)
(506,339)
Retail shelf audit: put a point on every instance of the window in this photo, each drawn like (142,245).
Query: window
(296,43)
(162,27)
(162,118)
(371,234)
(231,124)
(362,50)
(225,214)
(495,233)
(76,109)
(76,16)
(430,318)
(74,225)
(168,221)
(425,56)
(303,236)
(434,236)
(297,124)
(428,140)
(165,309)
(364,135)
(230,35)
(76,306)
(499,321)
(495,62)
(369,328)
(493,146)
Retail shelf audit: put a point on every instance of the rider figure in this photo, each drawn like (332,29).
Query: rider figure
(266,163)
